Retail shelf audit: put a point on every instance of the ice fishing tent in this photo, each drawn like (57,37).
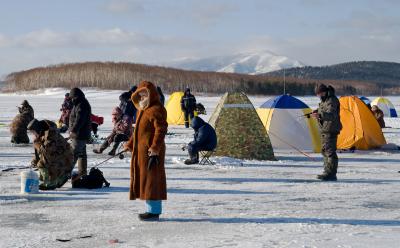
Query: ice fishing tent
(239,129)
(365,100)
(175,115)
(360,128)
(386,106)
(288,127)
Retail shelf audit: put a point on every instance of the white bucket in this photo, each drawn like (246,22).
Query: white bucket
(29,182)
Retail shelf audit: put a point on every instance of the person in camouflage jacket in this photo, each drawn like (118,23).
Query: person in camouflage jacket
(328,116)
(53,154)
(18,127)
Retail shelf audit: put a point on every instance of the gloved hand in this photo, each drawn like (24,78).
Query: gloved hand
(153,161)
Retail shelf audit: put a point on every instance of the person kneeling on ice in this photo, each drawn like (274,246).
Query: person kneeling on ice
(53,154)
(205,139)
(121,132)
(147,144)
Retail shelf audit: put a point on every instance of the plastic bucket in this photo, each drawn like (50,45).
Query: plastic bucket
(29,182)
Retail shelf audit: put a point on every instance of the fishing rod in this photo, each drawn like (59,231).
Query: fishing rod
(118,154)
(292,146)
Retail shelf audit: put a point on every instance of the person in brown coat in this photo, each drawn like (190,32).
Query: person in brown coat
(378,114)
(18,127)
(148,180)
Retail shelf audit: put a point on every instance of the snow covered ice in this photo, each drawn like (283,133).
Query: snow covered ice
(232,204)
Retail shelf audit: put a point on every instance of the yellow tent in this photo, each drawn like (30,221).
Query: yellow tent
(175,115)
(360,128)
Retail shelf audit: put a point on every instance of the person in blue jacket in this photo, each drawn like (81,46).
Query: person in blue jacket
(205,139)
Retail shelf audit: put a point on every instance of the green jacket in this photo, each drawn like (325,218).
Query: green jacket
(329,115)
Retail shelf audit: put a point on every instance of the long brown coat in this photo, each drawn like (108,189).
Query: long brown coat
(151,127)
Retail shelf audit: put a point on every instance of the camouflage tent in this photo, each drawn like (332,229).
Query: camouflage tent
(240,131)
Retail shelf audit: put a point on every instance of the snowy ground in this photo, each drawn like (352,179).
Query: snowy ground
(259,204)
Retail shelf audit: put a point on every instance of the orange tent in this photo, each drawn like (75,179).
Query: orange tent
(360,128)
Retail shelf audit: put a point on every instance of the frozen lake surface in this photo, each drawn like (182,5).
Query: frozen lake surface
(232,204)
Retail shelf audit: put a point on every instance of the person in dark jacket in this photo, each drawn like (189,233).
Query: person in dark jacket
(378,114)
(205,139)
(65,109)
(80,128)
(18,127)
(126,105)
(188,105)
(328,116)
(162,97)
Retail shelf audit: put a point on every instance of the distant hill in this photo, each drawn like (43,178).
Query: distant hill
(381,73)
(111,75)
(246,63)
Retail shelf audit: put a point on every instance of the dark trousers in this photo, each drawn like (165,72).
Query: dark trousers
(188,114)
(331,159)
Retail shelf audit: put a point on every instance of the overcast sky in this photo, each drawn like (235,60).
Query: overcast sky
(315,32)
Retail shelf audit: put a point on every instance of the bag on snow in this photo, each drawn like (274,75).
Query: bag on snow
(94,180)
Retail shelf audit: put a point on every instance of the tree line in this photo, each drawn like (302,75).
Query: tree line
(111,75)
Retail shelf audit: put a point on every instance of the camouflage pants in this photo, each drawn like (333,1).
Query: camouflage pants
(331,160)
(51,182)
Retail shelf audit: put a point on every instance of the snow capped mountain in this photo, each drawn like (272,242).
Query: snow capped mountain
(248,63)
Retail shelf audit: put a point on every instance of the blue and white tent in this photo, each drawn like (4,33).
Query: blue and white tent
(285,120)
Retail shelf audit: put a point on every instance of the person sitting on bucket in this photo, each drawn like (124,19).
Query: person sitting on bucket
(205,139)
(18,127)
(53,154)
(121,132)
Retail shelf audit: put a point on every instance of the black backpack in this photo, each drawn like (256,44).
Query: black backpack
(94,180)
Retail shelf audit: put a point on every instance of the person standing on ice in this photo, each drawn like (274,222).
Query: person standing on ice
(148,180)
(328,116)
(53,155)
(80,128)
(188,105)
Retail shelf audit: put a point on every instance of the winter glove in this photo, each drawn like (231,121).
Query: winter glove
(153,161)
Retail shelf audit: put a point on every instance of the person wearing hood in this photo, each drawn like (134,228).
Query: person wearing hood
(65,109)
(379,116)
(18,127)
(80,128)
(126,105)
(205,139)
(328,116)
(53,154)
(120,133)
(188,105)
(147,144)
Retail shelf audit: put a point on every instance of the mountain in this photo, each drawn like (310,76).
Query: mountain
(246,63)
(381,73)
